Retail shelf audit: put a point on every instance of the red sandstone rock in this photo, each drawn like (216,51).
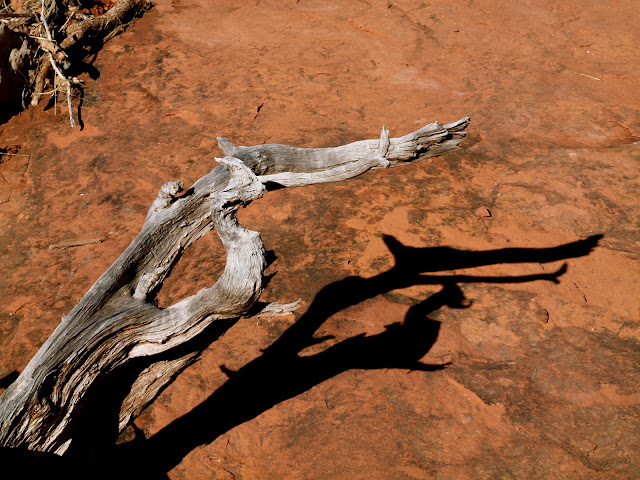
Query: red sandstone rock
(553,92)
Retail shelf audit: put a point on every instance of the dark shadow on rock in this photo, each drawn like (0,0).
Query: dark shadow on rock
(20,463)
(80,104)
(101,430)
(284,371)
(95,429)
(281,372)
(17,52)
(8,379)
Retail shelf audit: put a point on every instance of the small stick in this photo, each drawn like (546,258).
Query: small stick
(71,120)
(57,70)
(74,243)
(15,15)
(46,27)
(65,23)
(589,76)
(65,80)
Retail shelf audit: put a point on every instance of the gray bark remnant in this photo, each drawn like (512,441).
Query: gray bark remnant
(117,319)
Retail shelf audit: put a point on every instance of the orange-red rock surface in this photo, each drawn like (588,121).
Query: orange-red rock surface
(544,378)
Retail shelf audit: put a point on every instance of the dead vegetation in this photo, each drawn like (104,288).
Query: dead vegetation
(59,36)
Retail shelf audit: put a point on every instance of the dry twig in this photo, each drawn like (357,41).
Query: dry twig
(55,67)
(74,243)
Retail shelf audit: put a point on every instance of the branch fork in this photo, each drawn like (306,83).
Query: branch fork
(117,320)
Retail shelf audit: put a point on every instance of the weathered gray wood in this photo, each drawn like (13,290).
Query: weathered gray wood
(117,319)
(429,141)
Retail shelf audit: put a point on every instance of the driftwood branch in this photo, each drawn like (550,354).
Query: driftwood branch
(118,320)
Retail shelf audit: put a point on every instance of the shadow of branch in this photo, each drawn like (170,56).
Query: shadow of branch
(281,372)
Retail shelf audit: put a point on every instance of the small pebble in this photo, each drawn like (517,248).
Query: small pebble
(483,212)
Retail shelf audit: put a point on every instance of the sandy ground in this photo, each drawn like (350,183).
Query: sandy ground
(544,377)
